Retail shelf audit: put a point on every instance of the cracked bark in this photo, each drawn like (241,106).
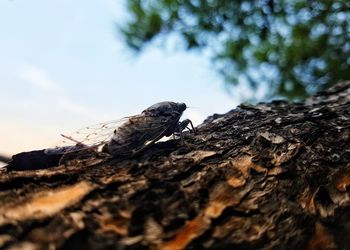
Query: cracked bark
(270,176)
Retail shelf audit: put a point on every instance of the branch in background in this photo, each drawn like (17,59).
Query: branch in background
(4,159)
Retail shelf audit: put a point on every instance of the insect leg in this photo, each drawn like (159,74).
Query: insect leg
(184,124)
(192,127)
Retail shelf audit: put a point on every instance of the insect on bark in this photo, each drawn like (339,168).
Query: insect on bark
(143,130)
(127,137)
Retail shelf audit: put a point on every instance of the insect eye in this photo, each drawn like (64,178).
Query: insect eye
(182,106)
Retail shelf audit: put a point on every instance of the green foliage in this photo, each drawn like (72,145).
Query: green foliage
(297,47)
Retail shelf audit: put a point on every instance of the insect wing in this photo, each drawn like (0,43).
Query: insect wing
(92,136)
(85,142)
(139,133)
(156,130)
(144,130)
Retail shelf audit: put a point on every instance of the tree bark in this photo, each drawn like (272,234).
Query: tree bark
(268,176)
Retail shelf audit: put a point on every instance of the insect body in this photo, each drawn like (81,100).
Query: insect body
(126,137)
(143,130)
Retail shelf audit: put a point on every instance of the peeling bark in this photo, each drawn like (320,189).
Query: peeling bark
(269,176)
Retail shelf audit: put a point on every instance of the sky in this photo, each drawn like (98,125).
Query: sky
(64,65)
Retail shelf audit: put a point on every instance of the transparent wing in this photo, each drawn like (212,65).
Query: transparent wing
(91,136)
(98,134)
(86,141)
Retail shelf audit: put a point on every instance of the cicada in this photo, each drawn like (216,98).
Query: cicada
(127,137)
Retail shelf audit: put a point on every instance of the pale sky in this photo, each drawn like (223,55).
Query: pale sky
(64,66)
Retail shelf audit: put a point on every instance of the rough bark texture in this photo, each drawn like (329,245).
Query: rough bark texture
(270,176)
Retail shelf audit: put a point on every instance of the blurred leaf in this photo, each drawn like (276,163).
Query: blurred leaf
(305,41)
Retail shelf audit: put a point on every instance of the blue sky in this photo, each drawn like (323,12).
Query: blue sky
(64,66)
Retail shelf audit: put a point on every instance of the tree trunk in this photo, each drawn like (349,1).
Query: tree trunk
(270,176)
